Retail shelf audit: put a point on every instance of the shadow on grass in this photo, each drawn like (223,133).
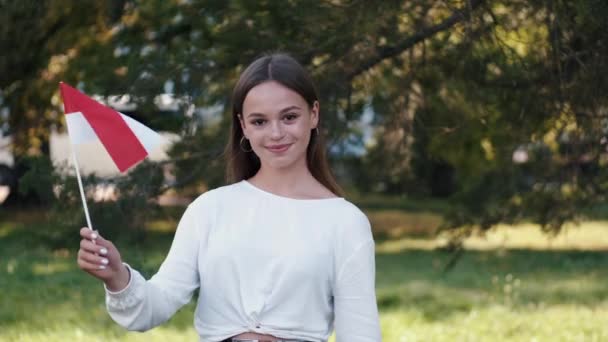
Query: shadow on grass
(518,278)
(405,204)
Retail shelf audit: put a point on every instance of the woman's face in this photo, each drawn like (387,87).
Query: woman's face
(278,123)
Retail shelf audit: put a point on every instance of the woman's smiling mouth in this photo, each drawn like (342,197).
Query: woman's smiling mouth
(278,148)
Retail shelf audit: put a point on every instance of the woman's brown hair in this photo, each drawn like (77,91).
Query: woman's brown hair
(287,71)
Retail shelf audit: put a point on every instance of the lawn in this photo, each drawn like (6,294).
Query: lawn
(513,285)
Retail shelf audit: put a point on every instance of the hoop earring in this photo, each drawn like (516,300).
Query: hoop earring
(317,130)
(241,145)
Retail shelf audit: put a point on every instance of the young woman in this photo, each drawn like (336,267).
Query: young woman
(278,255)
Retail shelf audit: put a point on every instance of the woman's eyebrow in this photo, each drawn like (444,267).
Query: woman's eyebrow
(284,110)
(255,115)
(287,109)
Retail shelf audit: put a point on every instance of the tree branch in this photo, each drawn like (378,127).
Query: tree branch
(424,33)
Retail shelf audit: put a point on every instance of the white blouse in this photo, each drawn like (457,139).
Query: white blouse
(264,263)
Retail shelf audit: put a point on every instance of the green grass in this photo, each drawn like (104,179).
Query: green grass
(511,285)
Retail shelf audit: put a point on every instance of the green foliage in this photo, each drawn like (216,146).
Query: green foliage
(121,217)
(454,88)
(38,180)
(198,158)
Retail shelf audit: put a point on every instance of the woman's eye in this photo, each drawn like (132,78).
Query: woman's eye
(290,117)
(257,122)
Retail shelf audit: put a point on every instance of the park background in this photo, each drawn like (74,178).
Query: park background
(473,133)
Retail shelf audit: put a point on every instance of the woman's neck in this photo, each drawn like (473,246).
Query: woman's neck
(285,182)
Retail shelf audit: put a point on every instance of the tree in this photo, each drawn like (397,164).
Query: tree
(38,40)
(455,88)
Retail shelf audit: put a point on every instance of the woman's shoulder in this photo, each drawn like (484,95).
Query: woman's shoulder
(349,221)
(348,210)
(215,195)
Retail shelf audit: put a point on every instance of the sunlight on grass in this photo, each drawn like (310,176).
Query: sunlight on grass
(591,235)
(162,226)
(396,223)
(5,229)
(50,268)
(395,246)
(499,323)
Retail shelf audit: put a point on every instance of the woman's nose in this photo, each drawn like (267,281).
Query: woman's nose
(276,131)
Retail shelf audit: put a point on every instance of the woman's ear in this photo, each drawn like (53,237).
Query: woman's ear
(314,115)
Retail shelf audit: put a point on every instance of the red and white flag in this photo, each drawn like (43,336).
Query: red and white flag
(126,140)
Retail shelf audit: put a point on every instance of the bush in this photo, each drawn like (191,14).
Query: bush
(120,217)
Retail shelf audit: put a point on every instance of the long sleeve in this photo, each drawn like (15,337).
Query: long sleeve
(143,304)
(355,308)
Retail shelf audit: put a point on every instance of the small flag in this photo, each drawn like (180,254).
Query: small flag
(126,140)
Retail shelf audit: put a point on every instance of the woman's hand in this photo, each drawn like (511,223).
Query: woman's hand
(100,258)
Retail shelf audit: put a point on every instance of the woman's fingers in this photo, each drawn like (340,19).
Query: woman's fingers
(88,233)
(90,266)
(99,257)
(93,258)
(100,241)
(91,247)
(93,242)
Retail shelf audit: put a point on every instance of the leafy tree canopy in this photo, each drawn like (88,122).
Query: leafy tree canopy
(498,103)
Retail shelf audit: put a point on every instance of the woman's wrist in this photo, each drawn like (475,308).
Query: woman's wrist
(120,281)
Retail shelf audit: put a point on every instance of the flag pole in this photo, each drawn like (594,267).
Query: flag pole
(84,201)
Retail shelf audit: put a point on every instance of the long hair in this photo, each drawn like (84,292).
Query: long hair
(287,71)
